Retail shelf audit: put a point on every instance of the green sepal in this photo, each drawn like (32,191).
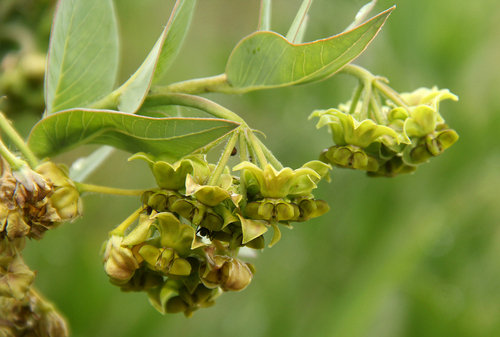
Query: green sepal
(276,235)
(257,243)
(251,229)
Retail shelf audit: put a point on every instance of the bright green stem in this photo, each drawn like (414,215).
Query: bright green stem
(366,101)
(223,159)
(18,142)
(88,188)
(355,98)
(254,142)
(377,113)
(197,86)
(14,162)
(120,230)
(272,159)
(243,157)
(390,93)
(197,102)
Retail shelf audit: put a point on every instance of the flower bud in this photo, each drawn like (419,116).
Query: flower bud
(15,277)
(119,262)
(66,199)
(349,157)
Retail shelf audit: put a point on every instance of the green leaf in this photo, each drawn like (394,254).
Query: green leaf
(266,60)
(178,25)
(83,54)
(133,92)
(168,138)
(298,24)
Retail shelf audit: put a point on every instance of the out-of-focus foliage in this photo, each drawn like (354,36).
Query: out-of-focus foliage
(417,255)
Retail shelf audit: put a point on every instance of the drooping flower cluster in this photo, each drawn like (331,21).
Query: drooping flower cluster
(31,202)
(183,251)
(389,139)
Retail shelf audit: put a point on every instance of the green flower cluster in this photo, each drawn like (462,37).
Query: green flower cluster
(183,251)
(391,139)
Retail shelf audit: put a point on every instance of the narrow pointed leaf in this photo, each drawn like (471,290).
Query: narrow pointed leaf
(298,22)
(167,138)
(133,92)
(177,28)
(361,15)
(266,60)
(83,54)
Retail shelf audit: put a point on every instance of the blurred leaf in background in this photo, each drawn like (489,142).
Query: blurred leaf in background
(417,255)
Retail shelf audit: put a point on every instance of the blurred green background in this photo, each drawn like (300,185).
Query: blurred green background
(417,255)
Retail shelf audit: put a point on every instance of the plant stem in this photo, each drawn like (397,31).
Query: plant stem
(390,93)
(355,98)
(197,102)
(17,141)
(14,162)
(88,188)
(223,159)
(120,230)
(359,72)
(366,101)
(272,159)
(217,83)
(254,142)
(377,113)
(243,157)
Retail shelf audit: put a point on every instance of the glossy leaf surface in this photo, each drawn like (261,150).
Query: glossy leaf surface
(134,91)
(267,60)
(83,54)
(167,138)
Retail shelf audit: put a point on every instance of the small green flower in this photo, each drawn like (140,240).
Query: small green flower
(209,195)
(165,261)
(173,176)
(279,184)
(430,97)
(346,130)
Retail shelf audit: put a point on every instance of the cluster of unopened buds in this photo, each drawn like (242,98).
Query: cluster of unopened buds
(183,250)
(390,139)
